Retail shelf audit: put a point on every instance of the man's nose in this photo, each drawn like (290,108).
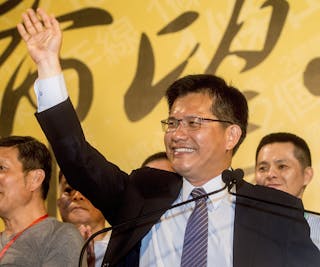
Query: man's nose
(272,172)
(180,132)
(77,196)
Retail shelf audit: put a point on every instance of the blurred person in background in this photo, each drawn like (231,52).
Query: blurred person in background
(283,162)
(78,210)
(158,160)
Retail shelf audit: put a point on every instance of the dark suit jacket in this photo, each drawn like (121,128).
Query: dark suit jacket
(265,235)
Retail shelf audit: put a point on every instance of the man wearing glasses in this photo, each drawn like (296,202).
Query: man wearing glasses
(207,122)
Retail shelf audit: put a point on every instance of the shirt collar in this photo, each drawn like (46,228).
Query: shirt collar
(215,183)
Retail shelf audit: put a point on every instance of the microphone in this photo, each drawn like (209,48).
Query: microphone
(232,177)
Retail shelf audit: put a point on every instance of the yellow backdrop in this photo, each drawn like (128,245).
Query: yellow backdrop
(118,57)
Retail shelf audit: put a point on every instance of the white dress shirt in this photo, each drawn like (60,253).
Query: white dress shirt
(50,92)
(162,246)
(100,248)
(314,223)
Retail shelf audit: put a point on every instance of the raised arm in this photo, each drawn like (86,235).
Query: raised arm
(86,170)
(42,35)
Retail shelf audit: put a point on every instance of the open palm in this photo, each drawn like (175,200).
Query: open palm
(43,37)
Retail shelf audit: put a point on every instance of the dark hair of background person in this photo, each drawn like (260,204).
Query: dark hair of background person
(301,149)
(154,157)
(33,155)
(228,102)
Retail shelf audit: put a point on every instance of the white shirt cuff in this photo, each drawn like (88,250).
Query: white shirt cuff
(50,92)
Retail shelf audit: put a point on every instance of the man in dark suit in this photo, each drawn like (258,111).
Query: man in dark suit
(207,122)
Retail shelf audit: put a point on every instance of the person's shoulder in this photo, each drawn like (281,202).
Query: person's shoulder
(65,226)
(63,242)
(65,231)
(153,175)
(268,197)
(265,192)
(61,228)
(151,181)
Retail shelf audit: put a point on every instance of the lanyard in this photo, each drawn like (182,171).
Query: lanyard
(9,244)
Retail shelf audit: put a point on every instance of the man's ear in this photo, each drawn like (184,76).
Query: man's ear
(308,174)
(233,135)
(36,178)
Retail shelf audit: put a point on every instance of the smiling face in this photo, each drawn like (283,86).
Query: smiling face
(277,167)
(201,154)
(75,208)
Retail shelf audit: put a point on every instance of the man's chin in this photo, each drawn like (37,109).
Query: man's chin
(182,170)
(79,219)
(278,187)
(79,211)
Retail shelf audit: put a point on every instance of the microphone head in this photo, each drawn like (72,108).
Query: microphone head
(226,176)
(230,177)
(238,174)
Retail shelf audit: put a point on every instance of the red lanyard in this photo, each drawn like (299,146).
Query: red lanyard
(9,244)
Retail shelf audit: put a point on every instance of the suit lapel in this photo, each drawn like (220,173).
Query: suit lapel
(150,193)
(262,230)
(244,239)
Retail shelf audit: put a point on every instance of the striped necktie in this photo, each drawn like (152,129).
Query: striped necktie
(195,244)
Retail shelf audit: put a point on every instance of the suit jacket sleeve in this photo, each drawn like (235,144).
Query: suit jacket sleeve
(83,166)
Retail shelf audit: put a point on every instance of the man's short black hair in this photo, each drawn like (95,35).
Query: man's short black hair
(228,102)
(33,155)
(301,148)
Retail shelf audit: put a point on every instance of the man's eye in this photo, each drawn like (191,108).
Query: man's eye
(262,169)
(171,123)
(281,167)
(194,123)
(68,190)
(2,167)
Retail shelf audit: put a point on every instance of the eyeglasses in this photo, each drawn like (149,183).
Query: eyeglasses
(191,123)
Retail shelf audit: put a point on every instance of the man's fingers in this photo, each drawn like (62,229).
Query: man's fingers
(45,17)
(55,24)
(35,21)
(89,230)
(28,23)
(23,33)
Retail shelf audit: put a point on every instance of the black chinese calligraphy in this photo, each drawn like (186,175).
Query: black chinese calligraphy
(144,94)
(14,93)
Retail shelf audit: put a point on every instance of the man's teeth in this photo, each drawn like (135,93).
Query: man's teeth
(183,149)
